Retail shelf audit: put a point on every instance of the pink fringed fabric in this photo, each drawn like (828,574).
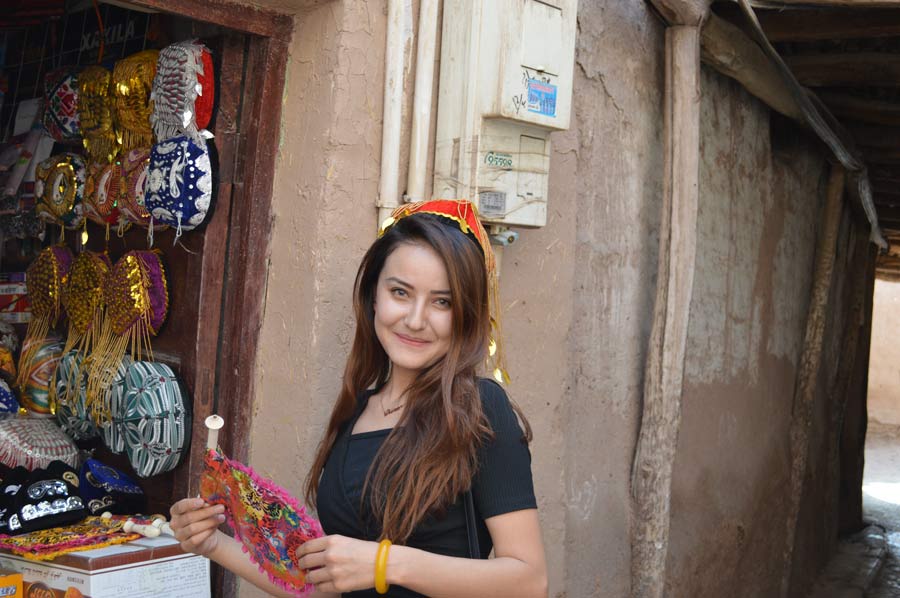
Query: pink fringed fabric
(47,544)
(267,520)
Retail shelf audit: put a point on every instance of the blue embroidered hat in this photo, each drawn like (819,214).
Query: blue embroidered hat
(104,488)
(8,401)
(179,183)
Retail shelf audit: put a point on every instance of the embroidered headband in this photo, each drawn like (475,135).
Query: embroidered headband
(463,215)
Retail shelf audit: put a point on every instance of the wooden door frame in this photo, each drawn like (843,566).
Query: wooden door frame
(238,237)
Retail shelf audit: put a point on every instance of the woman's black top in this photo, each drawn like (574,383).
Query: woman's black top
(502,484)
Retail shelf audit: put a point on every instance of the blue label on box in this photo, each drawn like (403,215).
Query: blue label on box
(541,98)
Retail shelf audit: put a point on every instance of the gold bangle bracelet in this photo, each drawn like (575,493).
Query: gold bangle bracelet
(381,558)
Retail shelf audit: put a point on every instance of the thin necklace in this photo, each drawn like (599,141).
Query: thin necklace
(392,409)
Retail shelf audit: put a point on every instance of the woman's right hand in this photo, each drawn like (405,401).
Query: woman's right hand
(196,525)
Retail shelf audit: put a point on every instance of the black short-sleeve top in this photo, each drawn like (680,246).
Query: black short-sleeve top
(502,484)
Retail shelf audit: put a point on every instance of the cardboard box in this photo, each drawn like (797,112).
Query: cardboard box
(147,568)
(10,584)
(14,305)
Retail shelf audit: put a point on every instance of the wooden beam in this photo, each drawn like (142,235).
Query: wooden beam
(833,24)
(728,50)
(889,214)
(227,14)
(880,156)
(683,12)
(862,109)
(882,137)
(846,69)
(651,478)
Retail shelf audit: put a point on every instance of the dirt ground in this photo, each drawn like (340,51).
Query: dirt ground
(881,501)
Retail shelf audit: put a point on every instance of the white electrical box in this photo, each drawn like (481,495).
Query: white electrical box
(505,85)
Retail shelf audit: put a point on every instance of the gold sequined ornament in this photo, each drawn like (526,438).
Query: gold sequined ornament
(132,81)
(82,299)
(59,190)
(44,280)
(136,303)
(95,106)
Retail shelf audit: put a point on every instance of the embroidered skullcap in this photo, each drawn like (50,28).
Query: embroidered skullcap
(183,91)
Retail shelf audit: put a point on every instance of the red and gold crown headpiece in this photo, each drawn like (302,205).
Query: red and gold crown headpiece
(464,215)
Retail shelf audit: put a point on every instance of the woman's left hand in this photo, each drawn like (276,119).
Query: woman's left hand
(339,564)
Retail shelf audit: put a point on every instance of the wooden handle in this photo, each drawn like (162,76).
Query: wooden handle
(214,423)
(148,531)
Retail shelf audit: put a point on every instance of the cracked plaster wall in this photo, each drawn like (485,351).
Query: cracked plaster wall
(761,201)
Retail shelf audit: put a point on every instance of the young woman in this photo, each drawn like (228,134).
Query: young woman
(419,451)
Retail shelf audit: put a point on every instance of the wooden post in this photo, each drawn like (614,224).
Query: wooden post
(652,469)
(683,12)
(810,359)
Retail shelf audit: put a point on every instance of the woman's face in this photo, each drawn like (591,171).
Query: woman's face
(412,307)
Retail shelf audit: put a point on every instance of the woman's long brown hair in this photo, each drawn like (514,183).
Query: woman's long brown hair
(430,456)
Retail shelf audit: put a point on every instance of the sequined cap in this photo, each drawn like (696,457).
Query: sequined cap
(95,107)
(59,190)
(82,297)
(137,291)
(132,81)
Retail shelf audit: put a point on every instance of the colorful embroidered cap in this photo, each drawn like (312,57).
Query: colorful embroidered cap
(156,420)
(463,215)
(135,172)
(36,396)
(132,80)
(59,190)
(61,105)
(183,91)
(179,186)
(34,442)
(102,192)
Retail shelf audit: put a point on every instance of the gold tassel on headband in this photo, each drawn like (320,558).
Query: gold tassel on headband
(82,298)
(465,216)
(132,81)
(136,303)
(45,279)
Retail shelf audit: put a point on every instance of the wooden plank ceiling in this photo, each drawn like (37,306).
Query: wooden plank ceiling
(850,57)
